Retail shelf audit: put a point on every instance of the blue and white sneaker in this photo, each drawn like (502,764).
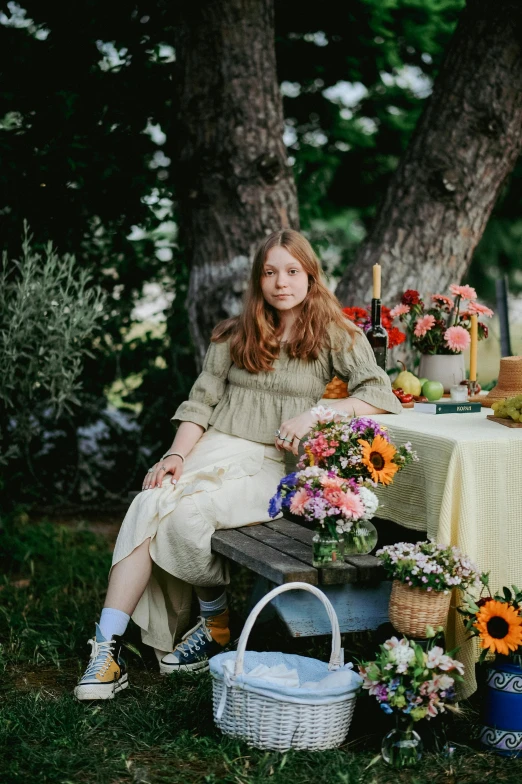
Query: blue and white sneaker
(208,637)
(106,673)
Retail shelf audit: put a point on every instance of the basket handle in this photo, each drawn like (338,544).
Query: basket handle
(337,654)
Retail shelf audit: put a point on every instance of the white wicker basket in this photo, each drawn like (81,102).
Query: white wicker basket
(281,722)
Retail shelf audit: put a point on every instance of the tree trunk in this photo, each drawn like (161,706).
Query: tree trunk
(465,145)
(233,183)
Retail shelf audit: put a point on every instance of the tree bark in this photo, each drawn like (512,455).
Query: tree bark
(465,145)
(233,183)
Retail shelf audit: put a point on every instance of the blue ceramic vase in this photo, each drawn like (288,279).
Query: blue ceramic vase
(502,717)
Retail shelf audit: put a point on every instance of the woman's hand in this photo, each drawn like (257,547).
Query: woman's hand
(289,435)
(155,475)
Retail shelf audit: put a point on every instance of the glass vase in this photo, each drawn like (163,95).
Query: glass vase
(326,550)
(402,747)
(361,539)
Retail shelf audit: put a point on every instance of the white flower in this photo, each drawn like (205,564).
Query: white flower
(370,501)
(403,656)
(324,416)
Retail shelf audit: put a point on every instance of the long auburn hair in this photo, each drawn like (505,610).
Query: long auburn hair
(254,335)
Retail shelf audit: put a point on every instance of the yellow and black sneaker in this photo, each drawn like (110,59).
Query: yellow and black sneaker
(208,637)
(106,673)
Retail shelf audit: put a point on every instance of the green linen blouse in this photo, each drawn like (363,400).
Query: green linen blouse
(253,405)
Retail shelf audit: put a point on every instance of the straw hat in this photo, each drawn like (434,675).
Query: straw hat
(509,381)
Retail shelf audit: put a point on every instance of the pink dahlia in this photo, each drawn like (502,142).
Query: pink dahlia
(423,325)
(333,496)
(399,310)
(466,292)
(299,501)
(351,505)
(457,338)
(332,482)
(481,310)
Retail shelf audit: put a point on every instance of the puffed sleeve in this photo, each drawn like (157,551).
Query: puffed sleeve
(208,388)
(353,361)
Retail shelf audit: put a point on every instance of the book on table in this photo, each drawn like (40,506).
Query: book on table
(447,407)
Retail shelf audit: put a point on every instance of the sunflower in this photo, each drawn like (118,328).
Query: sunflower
(499,626)
(378,458)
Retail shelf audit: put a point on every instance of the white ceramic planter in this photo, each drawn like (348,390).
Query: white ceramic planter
(449,369)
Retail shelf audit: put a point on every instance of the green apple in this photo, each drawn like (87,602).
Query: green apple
(433,390)
(423,381)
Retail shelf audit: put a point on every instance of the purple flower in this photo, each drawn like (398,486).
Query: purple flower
(274,505)
(289,480)
(361,426)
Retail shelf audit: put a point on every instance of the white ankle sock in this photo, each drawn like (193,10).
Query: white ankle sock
(113,622)
(216,607)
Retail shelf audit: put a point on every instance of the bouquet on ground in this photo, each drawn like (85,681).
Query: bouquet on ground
(496,620)
(412,683)
(408,680)
(424,574)
(441,325)
(333,503)
(358,447)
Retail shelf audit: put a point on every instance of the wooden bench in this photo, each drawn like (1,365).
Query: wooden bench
(281,552)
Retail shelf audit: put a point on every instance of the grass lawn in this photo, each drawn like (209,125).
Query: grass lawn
(161,729)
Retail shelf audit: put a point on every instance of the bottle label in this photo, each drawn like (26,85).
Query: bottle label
(380,356)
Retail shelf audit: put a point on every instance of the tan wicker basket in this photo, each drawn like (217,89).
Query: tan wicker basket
(336,389)
(412,609)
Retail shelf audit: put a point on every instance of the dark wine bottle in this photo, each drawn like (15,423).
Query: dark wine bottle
(377,335)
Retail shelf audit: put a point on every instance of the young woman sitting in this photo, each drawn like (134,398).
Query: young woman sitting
(263,372)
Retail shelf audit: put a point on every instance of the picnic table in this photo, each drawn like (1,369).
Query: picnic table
(466,491)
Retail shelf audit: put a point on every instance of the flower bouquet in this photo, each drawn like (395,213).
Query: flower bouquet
(414,684)
(441,325)
(424,574)
(334,503)
(362,317)
(496,620)
(358,449)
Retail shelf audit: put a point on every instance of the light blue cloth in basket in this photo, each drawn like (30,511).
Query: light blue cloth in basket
(307,670)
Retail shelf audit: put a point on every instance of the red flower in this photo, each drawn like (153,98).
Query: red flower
(358,315)
(395,337)
(385,316)
(410,297)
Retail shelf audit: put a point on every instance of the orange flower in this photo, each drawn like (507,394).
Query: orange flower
(378,458)
(499,626)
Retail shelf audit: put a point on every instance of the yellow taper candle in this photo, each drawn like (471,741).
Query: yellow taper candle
(376,281)
(473,348)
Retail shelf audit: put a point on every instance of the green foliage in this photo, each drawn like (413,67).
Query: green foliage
(49,313)
(354,83)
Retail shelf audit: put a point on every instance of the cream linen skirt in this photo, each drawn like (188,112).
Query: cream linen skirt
(226,483)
